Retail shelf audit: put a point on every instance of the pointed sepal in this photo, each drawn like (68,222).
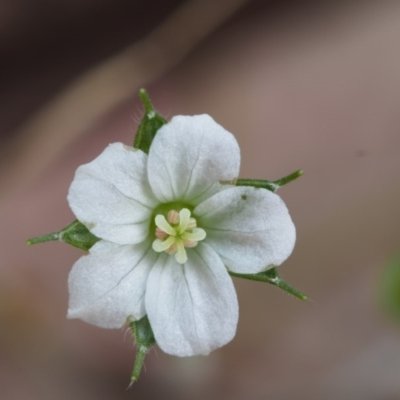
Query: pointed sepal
(271,276)
(144,338)
(149,125)
(75,234)
(272,186)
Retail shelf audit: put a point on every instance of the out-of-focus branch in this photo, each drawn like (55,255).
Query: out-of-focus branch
(100,89)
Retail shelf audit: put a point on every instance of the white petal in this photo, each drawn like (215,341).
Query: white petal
(190,155)
(193,307)
(112,197)
(249,228)
(108,285)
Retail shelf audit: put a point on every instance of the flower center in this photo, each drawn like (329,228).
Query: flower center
(176,232)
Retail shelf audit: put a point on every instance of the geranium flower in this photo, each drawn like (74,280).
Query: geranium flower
(172,223)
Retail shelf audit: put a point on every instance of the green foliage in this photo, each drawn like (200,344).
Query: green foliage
(389,289)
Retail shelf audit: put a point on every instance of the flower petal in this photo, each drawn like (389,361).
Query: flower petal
(108,285)
(112,197)
(249,228)
(189,156)
(193,307)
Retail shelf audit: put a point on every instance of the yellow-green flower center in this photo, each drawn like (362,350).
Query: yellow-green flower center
(176,233)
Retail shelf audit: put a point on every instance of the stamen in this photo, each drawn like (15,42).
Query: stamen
(162,223)
(160,246)
(189,244)
(184,216)
(173,217)
(180,254)
(171,249)
(191,224)
(195,236)
(176,233)
(160,234)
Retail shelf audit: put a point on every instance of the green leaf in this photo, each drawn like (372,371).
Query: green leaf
(76,234)
(271,276)
(272,186)
(390,287)
(144,338)
(150,124)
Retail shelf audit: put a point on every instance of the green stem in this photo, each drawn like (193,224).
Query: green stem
(140,356)
(45,238)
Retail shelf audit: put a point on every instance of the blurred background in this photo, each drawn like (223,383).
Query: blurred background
(312,85)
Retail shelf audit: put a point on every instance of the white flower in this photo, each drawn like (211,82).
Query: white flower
(172,224)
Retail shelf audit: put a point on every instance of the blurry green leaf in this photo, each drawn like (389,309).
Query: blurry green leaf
(390,287)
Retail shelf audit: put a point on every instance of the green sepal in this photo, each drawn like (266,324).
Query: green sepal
(149,125)
(144,338)
(76,234)
(271,276)
(272,186)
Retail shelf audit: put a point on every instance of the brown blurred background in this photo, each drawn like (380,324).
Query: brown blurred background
(312,85)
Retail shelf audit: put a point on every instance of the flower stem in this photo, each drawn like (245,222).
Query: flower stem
(44,238)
